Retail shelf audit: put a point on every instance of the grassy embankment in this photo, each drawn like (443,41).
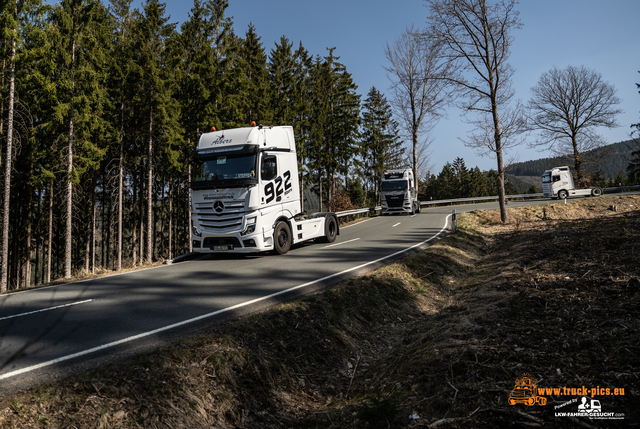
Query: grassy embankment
(434,340)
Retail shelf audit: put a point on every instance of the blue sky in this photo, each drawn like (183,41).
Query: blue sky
(604,36)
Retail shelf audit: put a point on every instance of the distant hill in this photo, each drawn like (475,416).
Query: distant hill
(609,159)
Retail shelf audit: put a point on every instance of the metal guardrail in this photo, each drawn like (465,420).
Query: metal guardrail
(621,188)
(359,212)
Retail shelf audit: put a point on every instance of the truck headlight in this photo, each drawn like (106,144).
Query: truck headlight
(196,231)
(250,226)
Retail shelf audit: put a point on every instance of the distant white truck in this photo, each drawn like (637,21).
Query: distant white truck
(558,183)
(398,192)
(245,195)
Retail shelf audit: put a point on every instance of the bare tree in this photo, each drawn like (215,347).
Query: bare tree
(566,107)
(476,40)
(418,91)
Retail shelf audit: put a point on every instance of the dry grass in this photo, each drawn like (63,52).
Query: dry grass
(440,335)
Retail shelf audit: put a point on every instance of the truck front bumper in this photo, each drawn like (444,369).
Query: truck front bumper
(235,243)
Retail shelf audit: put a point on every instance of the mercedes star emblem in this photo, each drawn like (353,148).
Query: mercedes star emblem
(218,206)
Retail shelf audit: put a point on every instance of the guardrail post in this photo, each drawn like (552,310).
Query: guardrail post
(453,221)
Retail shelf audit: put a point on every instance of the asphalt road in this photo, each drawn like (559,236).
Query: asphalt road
(53,331)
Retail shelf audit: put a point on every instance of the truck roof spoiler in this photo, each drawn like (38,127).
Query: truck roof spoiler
(275,149)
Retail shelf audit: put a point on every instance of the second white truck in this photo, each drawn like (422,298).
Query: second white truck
(245,195)
(557,182)
(398,192)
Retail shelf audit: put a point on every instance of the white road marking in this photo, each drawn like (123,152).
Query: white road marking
(215,313)
(396,224)
(45,309)
(342,242)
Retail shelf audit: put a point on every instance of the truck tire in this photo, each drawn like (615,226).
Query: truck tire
(419,208)
(282,238)
(596,192)
(330,230)
(562,195)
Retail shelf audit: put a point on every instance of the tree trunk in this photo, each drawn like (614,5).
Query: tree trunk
(134,219)
(504,216)
(120,189)
(50,233)
(189,207)
(69,187)
(170,219)
(7,172)
(93,229)
(578,161)
(149,249)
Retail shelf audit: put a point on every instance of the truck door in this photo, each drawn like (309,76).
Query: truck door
(268,172)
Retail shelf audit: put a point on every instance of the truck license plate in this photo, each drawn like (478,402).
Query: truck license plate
(223,248)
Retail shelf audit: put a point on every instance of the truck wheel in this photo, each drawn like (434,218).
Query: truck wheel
(541,400)
(330,230)
(419,208)
(596,192)
(562,195)
(282,238)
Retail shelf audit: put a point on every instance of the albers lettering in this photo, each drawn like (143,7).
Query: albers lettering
(220,140)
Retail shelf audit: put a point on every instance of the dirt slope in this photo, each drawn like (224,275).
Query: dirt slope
(436,340)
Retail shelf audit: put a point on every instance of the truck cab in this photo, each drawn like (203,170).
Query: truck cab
(398,192)
(245,195)
(557,182)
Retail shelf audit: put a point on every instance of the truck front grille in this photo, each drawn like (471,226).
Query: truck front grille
(229,219)
(395,200)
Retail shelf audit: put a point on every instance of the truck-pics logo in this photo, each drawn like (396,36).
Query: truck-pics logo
(526,392)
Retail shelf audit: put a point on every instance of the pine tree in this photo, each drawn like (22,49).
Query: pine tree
(122,91)
(381,145)
(234,83)
(156,104)
(255,105)
(80,35)
(463,179)
(341,134)
(10,27)
(303,112)
(478,186)
(197,42)
(282,82)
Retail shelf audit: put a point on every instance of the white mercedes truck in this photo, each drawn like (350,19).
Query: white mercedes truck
(558,183)
(398,192)
(245,195)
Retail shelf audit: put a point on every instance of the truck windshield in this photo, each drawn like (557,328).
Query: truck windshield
(546,178)
(394,185)
(224,170)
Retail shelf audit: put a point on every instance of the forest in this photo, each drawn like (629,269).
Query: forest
(101,106)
